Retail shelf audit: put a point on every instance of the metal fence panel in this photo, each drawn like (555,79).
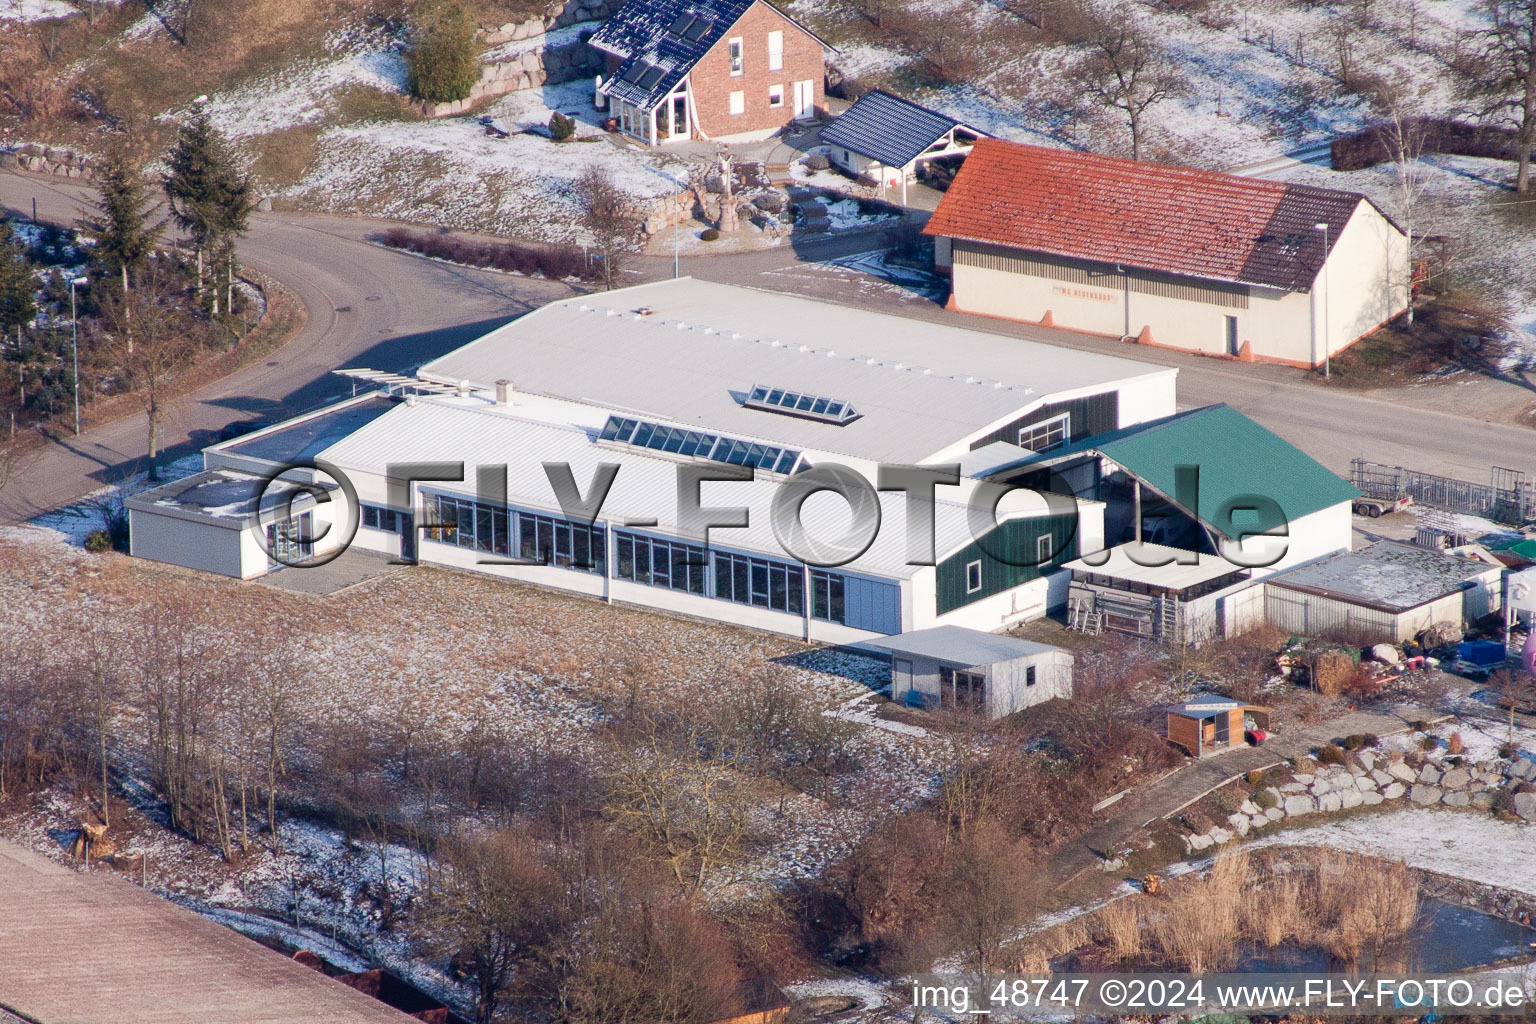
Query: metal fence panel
(1508,498)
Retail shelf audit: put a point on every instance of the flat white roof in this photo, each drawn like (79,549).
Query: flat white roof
(480,433)
(688,352)
(1126,563)
(961,646)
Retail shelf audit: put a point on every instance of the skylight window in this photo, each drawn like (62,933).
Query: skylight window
(680,26)
(796,403)
(699,445)
(636,69)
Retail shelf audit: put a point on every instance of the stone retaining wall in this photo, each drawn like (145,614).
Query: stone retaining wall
(1376,779)
(40,159)
(540,65)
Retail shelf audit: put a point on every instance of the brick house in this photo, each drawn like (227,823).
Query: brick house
(733,70)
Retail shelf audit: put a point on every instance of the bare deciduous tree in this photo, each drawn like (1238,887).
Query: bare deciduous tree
(489,909)
(1125,70)
(149,338)
(609,219)
(1505,76)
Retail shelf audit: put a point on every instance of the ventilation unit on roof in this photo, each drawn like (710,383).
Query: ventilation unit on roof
(795,403)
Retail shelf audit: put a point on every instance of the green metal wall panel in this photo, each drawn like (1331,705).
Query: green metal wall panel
(1016,540)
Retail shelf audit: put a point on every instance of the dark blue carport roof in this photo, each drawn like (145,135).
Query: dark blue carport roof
(887,128)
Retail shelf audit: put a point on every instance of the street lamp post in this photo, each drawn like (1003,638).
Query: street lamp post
(74,338)
(1327,299)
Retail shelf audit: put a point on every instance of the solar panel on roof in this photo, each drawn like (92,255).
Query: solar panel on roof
(636,70)
(681,24)
(651,78)
(697,30)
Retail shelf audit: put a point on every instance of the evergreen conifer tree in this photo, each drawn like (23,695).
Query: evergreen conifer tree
(18,287)
(210,198)
(119,222)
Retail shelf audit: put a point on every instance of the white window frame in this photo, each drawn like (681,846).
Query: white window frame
(1061,422)
(775,49)
(776,95)
(738,103)
(737,54)
(976,565)
(1043,552)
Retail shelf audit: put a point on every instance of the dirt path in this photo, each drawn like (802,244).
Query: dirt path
(1184,786)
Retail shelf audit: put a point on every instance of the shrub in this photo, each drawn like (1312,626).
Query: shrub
(1334,670)
(1418,725)
(98,542)
(817,162)
(769,202)
(1507,751)
(1264,800)
(1331,754)
(1454,745)
(556,262)
(561,127)
(710,234)
(1229,800)
(1428,743)
(1254,777)
(444,61)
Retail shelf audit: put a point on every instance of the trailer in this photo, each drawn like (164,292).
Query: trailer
(1375,508)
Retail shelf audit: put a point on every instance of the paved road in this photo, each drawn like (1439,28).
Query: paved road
(405,310)
(81,948)
(367,306)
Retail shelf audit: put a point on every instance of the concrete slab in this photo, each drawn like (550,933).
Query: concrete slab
(352,567)
(82,948)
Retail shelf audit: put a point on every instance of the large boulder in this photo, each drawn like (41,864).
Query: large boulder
(1330,802)
(1274,813)
(1457,798)
(1371,799)
(1525,805)
(1429,775)
(1381,778)
(1456,778)
(1305,778)
(1423,794)
(1366,758)
(1349,798)
(1220,835)
(1394,791)
(1299,804)
(1199,842)
(1401,772)
(1365,784)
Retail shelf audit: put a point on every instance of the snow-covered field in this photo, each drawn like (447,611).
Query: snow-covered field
(1473,846)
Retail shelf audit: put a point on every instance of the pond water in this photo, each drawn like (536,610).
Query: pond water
(1447,938)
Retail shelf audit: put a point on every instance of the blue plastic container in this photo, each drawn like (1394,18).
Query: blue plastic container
(1481,652)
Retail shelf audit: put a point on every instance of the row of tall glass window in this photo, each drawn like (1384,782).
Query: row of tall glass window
(744,579)
(695,443)
(513,533)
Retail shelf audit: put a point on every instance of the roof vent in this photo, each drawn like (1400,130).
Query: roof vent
(503,392)
(463,389)
(644,311)
(410,400)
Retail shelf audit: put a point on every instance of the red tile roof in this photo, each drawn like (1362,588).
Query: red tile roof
(1177,220)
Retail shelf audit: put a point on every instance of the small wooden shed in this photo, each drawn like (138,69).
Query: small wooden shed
(953,665)
(1212,724)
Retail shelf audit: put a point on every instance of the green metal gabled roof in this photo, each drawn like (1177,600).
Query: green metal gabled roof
(1236,457)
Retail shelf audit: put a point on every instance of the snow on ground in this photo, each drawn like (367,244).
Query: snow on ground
(35,10)
(451,173)
(74,521)
(305,93)
(1458,202)
(1472,846)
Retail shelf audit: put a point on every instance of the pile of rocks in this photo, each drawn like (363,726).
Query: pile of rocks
(527,70)
(1373,779)
(571,14)
(32,156)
